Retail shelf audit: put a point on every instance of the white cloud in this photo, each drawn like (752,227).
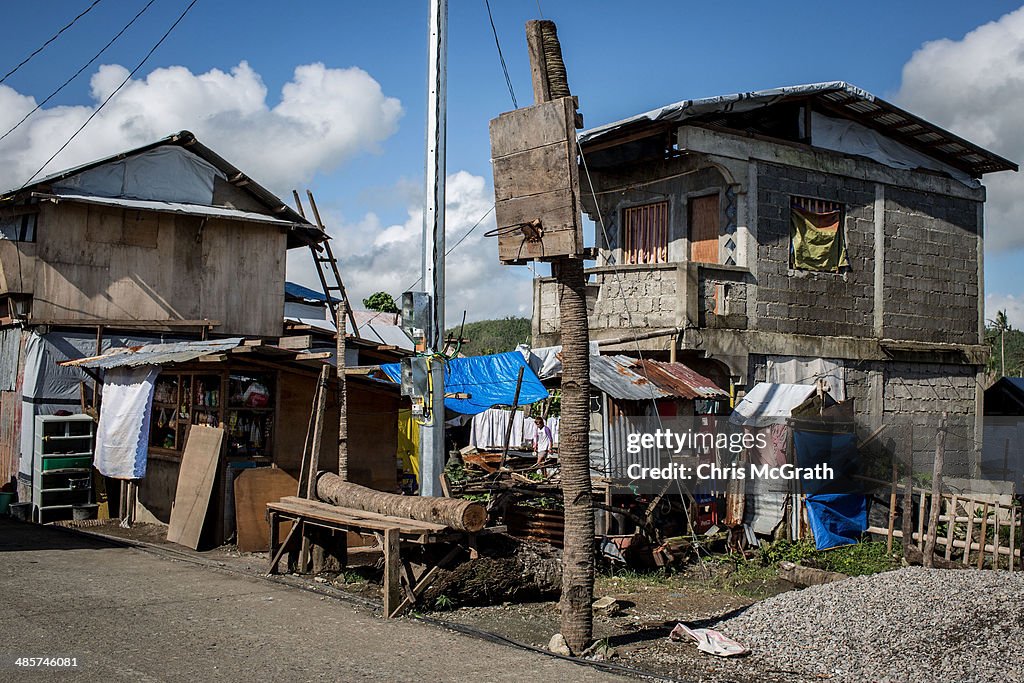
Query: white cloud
(325,117)
(375,257)
(975,87)
(1013,305)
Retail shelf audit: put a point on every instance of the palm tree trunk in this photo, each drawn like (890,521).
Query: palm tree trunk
(574,458)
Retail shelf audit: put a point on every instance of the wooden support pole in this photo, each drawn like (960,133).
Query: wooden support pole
(512,417)
(970,532)
(392,572)
(950,525)
(892,509)
(319,406)
(907,523)
(936,498)
(342,392)
(984,536)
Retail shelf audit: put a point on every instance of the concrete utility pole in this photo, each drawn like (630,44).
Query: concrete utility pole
(432,435)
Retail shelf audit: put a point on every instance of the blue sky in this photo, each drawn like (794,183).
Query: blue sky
(622,58)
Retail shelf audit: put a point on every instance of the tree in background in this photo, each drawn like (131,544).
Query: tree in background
(380,301)
(1006,347)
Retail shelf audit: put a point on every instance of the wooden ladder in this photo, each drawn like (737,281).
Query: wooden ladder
(327,268)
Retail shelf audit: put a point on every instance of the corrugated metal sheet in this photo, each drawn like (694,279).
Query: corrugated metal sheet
(156,354)
(10,356)
(613,376)
(173,207)
(836,96)
(680,380)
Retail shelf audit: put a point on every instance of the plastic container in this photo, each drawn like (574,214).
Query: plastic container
(6,499)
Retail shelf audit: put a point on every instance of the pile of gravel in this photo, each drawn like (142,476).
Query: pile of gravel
(912,624)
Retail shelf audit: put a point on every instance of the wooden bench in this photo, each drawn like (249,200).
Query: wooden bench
(402,587)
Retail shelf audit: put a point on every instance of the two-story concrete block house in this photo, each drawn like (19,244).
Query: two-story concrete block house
(791,234)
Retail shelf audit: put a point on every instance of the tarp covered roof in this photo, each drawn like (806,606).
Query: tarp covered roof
(489,380)
(768,403)
(130,175)
(836,98)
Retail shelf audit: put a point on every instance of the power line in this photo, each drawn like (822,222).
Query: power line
(497,43)
(52,38)
(116,90)
(79,72)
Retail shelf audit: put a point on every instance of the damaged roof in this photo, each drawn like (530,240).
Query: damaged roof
(155,354)
(837,98)
(632,379)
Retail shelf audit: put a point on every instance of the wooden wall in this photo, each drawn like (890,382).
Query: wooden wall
(372,430)
(99,262)
(17,267)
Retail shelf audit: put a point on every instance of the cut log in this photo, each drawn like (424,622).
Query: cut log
(461,515)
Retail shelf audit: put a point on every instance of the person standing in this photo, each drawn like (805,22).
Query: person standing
(543,442)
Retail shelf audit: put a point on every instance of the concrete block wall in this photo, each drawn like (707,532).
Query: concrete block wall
(803,302)
(645,297)
(722,298)
(931,267)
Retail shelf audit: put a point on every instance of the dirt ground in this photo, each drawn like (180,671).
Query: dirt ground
(649,606)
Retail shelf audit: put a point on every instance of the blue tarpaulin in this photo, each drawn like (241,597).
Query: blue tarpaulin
(489,380)
(837,512)
(837,518)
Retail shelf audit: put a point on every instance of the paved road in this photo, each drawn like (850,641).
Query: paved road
(127,614)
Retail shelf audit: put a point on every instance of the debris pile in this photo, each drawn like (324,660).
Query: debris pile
(911,624)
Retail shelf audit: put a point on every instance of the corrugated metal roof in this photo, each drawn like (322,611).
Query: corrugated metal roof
(170,207)
(837,97)
(679,380)
(156,354)
(613,376)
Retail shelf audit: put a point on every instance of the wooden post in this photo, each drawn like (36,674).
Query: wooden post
(907,524)
(392,572)
(1013,533)
(950,525)
(512,417)
(933,512)
(314,455)
(995,538)
(892,509)
(969,506)
(984,535)
(342,393)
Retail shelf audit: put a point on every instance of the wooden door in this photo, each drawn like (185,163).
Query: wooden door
(704,229)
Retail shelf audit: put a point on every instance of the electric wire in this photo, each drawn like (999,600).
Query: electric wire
(54,37)
(115,91)
(80,70)
(501,56)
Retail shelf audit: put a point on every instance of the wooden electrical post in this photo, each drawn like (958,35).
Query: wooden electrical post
(536,187)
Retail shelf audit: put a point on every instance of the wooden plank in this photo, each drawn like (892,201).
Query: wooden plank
(254,488)
(538,62)
(892,510)
(969,507)
(354,514)
(538,125)
(199,465)
(995,539)
(984,533)
(950,525)
(392,571)
(298,341)
(532,172)
(1013,532)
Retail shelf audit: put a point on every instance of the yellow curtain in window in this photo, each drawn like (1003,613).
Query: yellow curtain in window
(816,240)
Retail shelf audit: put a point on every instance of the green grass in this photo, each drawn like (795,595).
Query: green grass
(859,559)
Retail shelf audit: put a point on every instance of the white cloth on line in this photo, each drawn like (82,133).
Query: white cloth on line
(488,429)
(122,435)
